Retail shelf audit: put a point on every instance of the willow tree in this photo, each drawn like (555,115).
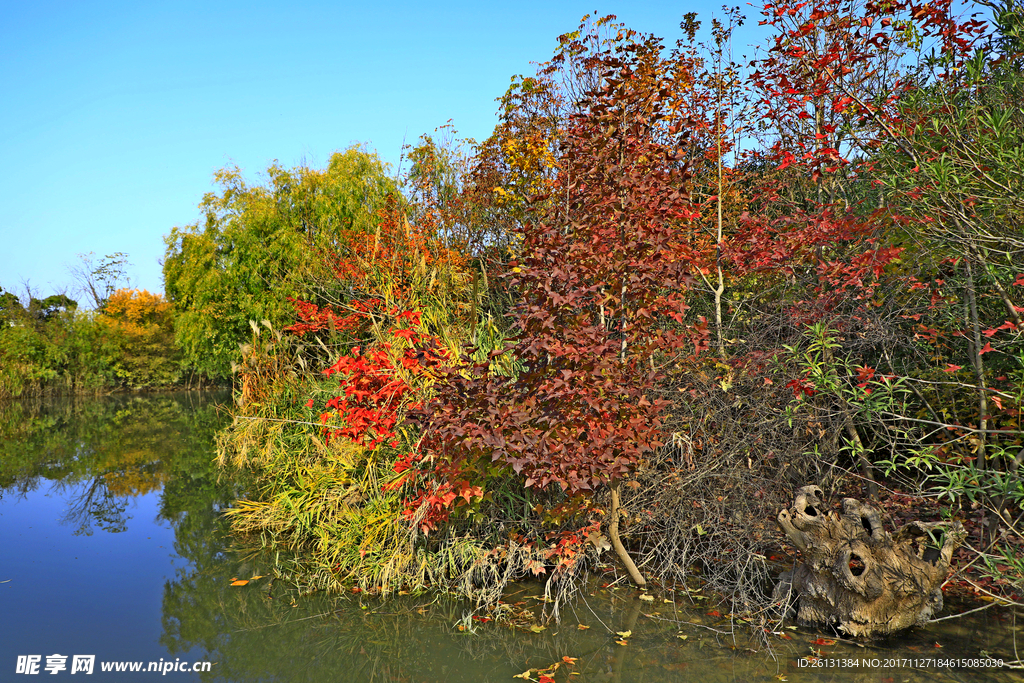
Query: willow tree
(259,245)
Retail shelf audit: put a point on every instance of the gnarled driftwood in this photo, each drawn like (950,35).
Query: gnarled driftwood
(856,576)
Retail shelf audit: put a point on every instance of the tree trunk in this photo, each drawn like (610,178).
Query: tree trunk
(613,534)
(854,575)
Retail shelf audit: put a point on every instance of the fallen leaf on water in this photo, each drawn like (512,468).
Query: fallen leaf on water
(622,642)
(537,629)
(582,627)
(823,641)
(647,598)
(239,582)
(258,576)
(569,660)
(682,636)
(781,677)
(624,634)
(525,675)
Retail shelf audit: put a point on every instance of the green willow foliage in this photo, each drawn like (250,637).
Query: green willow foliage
(257,246)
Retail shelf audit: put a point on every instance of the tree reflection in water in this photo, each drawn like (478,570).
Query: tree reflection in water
(100,454)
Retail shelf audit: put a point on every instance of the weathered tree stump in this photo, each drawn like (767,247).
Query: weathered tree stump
(857,577)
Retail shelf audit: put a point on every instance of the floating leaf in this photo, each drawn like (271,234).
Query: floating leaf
(537,629)
(622,642)
(239,582)
(823,641)
(647,598)
(582,627)
(682,636)
(624,634)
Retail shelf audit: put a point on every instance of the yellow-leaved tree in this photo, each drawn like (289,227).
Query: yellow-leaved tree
(142,326)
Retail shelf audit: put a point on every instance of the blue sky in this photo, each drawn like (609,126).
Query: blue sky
(116,115)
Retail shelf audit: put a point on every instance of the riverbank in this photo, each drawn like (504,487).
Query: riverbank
(159,569)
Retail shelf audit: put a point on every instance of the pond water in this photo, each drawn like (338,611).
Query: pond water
(112,547)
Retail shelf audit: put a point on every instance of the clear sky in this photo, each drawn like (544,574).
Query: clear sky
(115,115)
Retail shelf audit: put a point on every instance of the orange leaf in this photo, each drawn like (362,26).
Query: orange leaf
(240,582)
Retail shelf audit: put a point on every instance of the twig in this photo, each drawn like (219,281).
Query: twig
(963,614)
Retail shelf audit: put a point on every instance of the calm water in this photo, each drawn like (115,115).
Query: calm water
(111,545)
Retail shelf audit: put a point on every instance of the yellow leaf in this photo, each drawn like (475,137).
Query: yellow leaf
(647,598)
(624,634)
(258,576)
(240,582)
(525,675)
(622,642)
(582,627)
(682,636)
(537,629)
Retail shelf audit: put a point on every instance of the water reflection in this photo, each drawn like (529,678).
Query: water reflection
(113,544)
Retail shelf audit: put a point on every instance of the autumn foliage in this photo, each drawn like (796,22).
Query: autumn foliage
(699,281)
